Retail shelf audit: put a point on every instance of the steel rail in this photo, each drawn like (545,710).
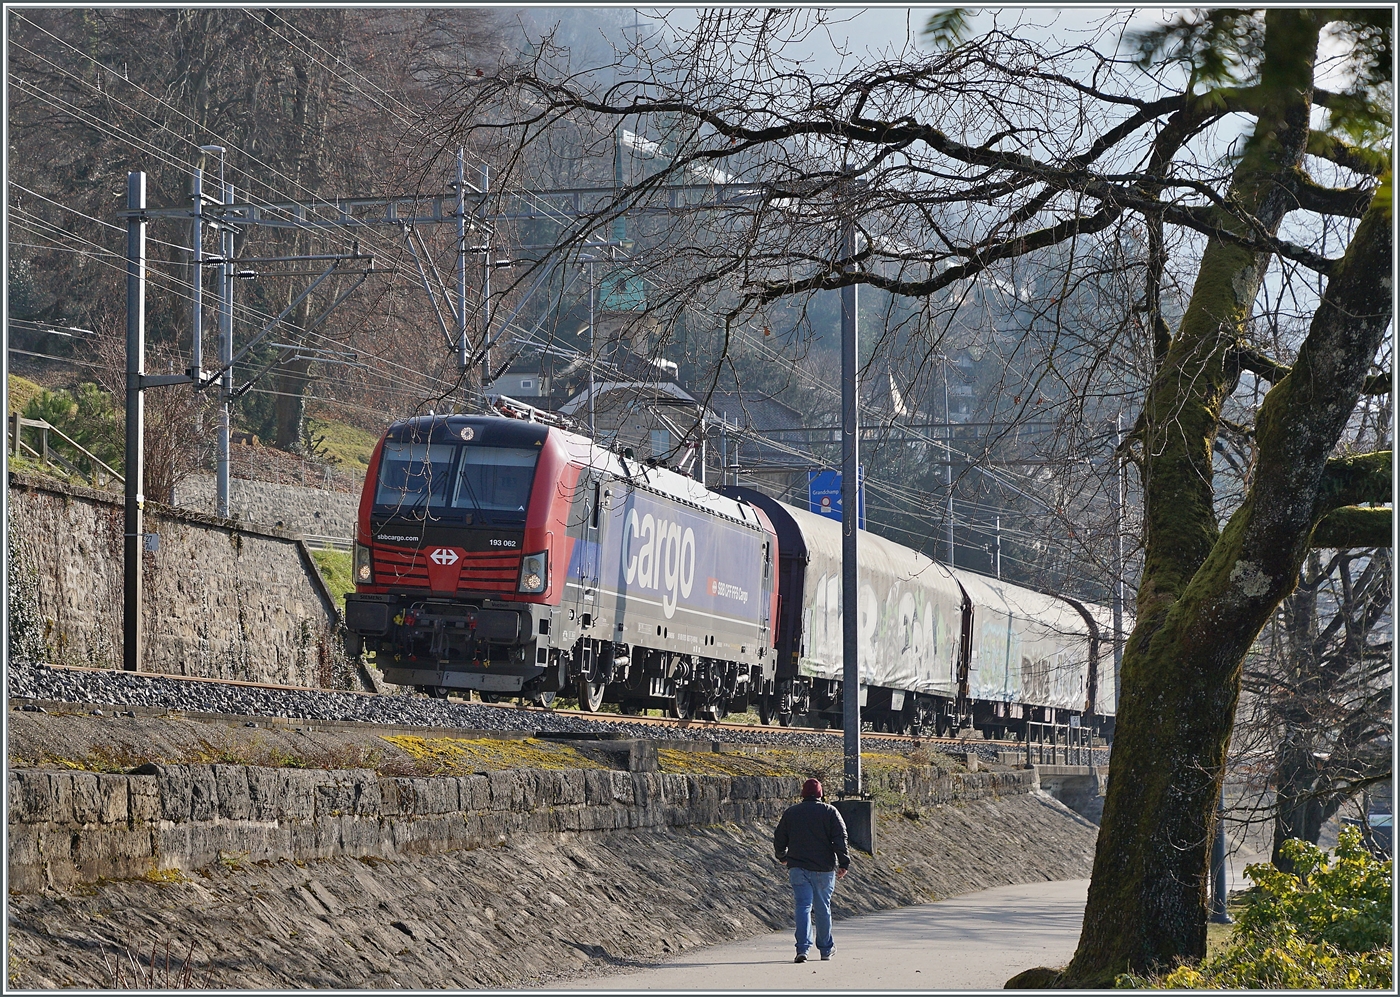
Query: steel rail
(688,724)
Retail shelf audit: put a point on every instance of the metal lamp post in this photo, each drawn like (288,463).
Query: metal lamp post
(850,524)
(857,810)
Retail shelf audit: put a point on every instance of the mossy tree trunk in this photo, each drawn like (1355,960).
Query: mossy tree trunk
(1206,593)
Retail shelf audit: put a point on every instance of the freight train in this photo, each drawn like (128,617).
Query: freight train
(519,559)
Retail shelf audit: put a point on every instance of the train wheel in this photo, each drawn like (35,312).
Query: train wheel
(941,725)
(683,705)
(590,694)
(925,719)
(545,699)
(784,719)
(765,709)
(720,710)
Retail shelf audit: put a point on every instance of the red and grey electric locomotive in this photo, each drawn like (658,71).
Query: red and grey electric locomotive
(520,559)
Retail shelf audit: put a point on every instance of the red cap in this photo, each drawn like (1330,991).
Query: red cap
(811,788)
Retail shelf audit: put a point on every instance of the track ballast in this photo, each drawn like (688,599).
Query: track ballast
(102,687)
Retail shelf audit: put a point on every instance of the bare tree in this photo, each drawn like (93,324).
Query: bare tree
(999,159)
(307,103)
(1317,692)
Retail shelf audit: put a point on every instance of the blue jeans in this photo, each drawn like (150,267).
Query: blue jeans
(811,896)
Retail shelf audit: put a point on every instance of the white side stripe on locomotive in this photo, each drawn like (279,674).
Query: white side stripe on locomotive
(633,597)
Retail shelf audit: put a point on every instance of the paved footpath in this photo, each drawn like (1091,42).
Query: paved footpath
(974,942)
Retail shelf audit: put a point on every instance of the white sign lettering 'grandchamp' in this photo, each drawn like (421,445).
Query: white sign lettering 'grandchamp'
(444,555)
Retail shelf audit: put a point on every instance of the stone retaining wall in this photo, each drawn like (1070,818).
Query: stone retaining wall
(75,827)
(302,509)
(222,599)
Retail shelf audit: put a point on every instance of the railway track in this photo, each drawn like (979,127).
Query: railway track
(157,693)
(724,725)
(989,750)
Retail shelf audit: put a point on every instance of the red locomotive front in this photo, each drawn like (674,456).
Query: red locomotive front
(520,559)
(461,549)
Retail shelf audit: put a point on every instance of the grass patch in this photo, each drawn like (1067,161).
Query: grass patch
(1219,936)
(119,759)
(165,877)
(336,567)
(21,392)
(349,445)
(462,756)
(828,765)
(676,762)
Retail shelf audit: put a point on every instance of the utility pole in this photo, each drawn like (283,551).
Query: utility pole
(948,467)
(998,559)
(487,264)
(850,521)
(133,639)
(461,263)
(723,450)
(1117,583)
(226,279)
(591,295)
(196,370)
(857,809)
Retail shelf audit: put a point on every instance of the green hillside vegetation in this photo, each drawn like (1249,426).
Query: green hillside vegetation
(87,415)
(335,567)
(350,446)
(21,392)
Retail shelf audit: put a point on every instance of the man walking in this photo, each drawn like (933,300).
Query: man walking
(811,841)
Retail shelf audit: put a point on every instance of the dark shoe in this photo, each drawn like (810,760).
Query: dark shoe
(826,956)
(801,957)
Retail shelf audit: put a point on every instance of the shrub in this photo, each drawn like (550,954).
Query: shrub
(89,416)
(1325,926)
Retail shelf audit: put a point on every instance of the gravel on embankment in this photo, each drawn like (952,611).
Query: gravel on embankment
(101,688)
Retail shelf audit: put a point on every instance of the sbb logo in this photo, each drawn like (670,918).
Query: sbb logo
(724,590)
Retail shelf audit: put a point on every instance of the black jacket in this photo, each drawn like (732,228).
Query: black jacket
(811,835)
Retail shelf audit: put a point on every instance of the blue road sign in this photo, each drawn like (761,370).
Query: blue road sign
(824,494)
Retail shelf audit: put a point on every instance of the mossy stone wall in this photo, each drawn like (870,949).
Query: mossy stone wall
(222,599)
(74,827)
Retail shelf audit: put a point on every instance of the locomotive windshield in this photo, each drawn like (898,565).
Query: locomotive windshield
(470,483)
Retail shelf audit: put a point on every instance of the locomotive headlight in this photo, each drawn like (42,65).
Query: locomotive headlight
(364,566)
(534,572)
